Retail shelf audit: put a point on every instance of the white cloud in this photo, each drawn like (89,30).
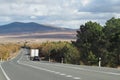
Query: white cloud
(65,13)
(85,2)
(33,17)
(5,18)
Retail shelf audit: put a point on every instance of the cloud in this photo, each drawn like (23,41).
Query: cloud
(85,2)
(5,18)
(33,17)
(102,6)
(63,13)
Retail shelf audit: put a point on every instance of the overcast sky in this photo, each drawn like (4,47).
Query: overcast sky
(62,13)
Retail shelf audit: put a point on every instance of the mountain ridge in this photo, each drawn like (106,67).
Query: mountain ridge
(30,27)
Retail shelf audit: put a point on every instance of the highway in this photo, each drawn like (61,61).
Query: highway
(21,68)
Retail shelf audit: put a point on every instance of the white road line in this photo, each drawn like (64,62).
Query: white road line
(76,78)
(69,76)
(36,67)
(4,72)
(112,73)
(62,74)
(20,58)
(90,70)
(55,72)
(15,56)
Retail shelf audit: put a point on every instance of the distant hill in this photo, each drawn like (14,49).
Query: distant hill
(31,27)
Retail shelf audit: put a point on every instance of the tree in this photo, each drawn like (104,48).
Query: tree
(58,51)
(71,54)
(89,36)
(112,32)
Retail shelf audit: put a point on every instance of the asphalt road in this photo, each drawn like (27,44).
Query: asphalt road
(21,68)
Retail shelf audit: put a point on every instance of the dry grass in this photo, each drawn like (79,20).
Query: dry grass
(8,50)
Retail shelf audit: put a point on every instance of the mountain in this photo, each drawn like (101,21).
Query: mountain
(31,27)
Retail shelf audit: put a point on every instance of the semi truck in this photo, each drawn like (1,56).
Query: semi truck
(34,55)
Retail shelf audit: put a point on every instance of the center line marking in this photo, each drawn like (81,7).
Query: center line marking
(78,68)
(59,73)
(69,76)
(76,78)
(62,74)
(44,69)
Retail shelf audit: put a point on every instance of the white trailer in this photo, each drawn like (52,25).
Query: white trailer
(34,53)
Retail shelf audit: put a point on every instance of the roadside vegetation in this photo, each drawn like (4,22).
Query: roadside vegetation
(58,52)
(8,50)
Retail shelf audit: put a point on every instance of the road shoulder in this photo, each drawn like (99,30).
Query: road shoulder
(2,76)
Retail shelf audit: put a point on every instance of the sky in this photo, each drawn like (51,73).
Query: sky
(61,13)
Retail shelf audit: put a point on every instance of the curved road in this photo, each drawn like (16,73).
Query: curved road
(21,68)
